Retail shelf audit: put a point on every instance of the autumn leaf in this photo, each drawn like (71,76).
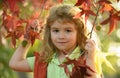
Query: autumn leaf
(112,20)
(105,5)
(14,27)
(34,27)
(79,2)
(60,1)
(40,67)
(42,4)
(35,15)
(87,13)
(16,34)
(85,9)
(38,3)
(84,3)
(79,68)
(13,6)
(33,30)
(49,4)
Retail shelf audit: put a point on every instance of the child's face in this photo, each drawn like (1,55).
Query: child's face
(64,36)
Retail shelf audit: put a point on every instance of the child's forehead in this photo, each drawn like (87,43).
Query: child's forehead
(63,24)
(64,21)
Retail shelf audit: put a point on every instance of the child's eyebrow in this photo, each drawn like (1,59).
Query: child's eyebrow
(54,27)
(68,28)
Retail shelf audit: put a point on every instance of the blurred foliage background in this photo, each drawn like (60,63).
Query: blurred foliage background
(109,44)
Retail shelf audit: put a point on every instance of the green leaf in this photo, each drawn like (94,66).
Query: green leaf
(24,43)
(98,28)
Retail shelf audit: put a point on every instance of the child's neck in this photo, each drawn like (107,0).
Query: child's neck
(62,54)
(61,57)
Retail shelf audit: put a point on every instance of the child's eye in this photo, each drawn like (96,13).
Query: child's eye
(55,30)
(68,30)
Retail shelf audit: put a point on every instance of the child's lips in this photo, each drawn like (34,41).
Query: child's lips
(62,42)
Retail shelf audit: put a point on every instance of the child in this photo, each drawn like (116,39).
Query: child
(65,39)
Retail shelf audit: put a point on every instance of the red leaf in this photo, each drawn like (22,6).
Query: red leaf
(49,4)
(79,2)
(13,39)
(33,29)
(112,19)
(116,16)
(43,4)
(106,5)
(13,26)
(12,35)
(35,15)
(12,4)
(60,1)
(40,67)
(79,68)
(86,13)
(105,21)
(112,26)
(66,69)
(8,35)
(91,12)
(78,15)
(19,31)
(38,3)
(86,9)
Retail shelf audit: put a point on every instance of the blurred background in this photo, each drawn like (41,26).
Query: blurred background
(108,43)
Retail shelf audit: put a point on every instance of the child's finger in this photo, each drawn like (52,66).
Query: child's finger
(92,42)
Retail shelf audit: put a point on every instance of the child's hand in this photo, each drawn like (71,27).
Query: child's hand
(35,26)
(90,49)
(33,30)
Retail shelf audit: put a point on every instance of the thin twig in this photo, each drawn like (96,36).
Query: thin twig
(42,8)
(94,22)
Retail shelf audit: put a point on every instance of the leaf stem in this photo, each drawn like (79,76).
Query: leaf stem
(42,8)
(94,22)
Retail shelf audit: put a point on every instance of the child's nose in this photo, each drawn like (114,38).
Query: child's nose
(61,35)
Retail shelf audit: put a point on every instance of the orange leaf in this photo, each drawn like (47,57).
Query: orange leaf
(60,1)
(12,4)
(112,26)
(19,31)
(32,30)
(35,15)
(105,21)
(79,69)
(79,2)
(106,5)
(78,15)
(112,19)
(13,40)
(8,35)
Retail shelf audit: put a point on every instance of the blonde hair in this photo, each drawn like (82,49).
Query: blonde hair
(65,13)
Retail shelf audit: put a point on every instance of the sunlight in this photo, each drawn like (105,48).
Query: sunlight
(118,62)
(116,5)
(1,12)
(118,33)
(115,48)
